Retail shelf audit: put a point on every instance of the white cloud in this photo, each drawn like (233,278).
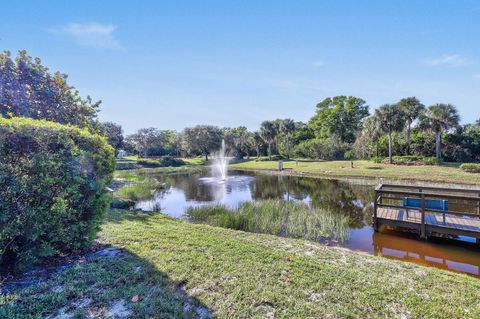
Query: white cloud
(476,76)
(318,63)
(89,34)
(449,60)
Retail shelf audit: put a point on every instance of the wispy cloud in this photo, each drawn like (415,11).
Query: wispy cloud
(89,34)
(318,63)
(476,76)
(448,60)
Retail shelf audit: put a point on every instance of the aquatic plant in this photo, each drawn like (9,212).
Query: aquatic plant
(277,217)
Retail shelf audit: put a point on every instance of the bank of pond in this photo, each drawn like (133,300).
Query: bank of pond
(332,212)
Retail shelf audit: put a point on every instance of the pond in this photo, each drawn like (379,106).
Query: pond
(174,194)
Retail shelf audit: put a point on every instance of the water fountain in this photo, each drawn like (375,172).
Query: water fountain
(220,165)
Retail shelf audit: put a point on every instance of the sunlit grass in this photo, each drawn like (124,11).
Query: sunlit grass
(442,173)
(172,264)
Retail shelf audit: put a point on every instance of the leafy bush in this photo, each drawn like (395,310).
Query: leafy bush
(378,159)
(325,149)
(432,160)
(470,167)
(164,161)
(53,182)
(167,161)
(272,158)
(148,162)
(122,165)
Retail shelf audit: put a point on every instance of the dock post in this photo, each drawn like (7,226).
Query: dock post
(423,234)
(375,223)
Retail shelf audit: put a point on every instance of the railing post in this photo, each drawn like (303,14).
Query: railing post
(423,234)
(375,222)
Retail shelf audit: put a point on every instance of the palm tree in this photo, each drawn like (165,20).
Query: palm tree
(257,142)
(440,118)
(412,108)
(268,132)
(373,130)
(286,127)
(391,118)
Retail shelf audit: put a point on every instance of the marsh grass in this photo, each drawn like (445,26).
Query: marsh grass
(277,217)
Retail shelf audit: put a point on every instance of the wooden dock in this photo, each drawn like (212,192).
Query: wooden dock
(461,218)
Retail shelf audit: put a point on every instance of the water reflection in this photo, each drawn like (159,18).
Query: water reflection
(351,200)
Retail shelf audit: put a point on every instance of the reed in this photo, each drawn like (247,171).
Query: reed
(277,217)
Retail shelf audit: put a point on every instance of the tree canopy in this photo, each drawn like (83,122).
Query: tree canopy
(28,89)
(341,116)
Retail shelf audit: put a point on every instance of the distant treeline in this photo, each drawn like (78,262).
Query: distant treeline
(343,127)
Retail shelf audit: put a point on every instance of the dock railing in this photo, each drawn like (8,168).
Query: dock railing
(462,203)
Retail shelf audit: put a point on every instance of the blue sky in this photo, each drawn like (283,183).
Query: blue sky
(171,64)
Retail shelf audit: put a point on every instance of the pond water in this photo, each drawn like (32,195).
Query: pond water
(174,194)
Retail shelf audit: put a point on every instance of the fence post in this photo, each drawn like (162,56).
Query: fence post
(423,234)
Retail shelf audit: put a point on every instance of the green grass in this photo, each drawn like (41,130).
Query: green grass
(442,173)
(180,269)
(277,217)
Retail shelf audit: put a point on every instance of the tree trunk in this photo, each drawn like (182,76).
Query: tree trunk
(206,157)
(376,146)
(408,137)
(390,147)
(288,147)
(438,144)
(269,151)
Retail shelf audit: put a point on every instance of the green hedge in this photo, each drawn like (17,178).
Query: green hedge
(164,161)
(470,167)
(409,160)
(53,182)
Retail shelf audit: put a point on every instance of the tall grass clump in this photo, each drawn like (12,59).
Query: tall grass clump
(277,217)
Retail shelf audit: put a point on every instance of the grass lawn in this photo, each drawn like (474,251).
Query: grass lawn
(173,269)
(443,173)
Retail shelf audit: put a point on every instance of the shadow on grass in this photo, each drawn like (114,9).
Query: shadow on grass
(109,283)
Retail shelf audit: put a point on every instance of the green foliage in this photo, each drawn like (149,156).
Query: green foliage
(113,132)
(325,149)
(28,89)
(202,139)
(152,142)
(53,182)
(377,159)
(278,217)
(470,167)
(339,116)
(271,158)
(432,160)
(121,165)
(164,161)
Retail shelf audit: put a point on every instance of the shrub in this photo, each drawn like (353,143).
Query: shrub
(164,161)
(377,159)
(432,160)
(470,167)
(168,160)
(147,162)
(272,158)
(53,182)
(122,165)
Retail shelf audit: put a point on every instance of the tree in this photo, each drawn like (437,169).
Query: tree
(412,108)
(142,140)
(286,128)
(203,139)
(268,133)
(237,139)
(257,142)
(440,118)
(390,118)
(113,132)
(371,133)
(340,116)
(28,89)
